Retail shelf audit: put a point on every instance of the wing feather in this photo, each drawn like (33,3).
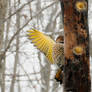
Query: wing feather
(43,42)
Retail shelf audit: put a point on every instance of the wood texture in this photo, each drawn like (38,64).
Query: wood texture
(76,34)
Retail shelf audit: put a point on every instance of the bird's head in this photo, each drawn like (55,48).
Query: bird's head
(60,39)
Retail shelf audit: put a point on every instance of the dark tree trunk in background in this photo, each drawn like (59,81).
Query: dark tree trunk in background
(76,49)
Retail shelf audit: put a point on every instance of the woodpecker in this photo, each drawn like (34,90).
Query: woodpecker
(53,50)
(58,51)
(59,75)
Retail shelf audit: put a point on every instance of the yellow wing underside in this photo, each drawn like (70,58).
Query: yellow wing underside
(43,42)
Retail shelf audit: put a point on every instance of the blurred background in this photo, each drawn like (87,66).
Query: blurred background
(23,68)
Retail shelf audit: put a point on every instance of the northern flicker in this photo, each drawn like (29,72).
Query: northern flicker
(54,51)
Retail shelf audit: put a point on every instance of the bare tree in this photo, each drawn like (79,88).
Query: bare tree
(17,54)
(3,3)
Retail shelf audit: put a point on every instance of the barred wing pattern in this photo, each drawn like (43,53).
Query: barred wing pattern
(43,42)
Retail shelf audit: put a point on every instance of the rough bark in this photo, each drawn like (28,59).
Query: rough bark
(76,34)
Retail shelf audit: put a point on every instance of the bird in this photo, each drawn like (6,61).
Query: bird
(59,75)
(53,50)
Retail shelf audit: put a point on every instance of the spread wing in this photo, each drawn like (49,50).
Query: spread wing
(43,42)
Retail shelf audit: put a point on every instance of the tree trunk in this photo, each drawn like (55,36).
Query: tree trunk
(3,6)
(76,49)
